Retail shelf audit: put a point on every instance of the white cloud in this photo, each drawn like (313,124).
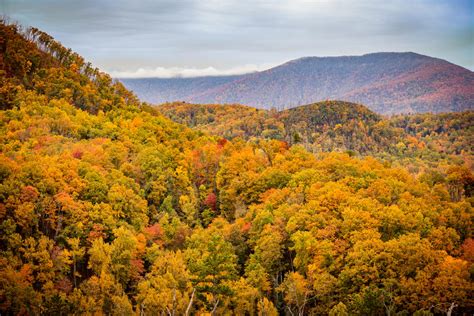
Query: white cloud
(175,72)
(124,35)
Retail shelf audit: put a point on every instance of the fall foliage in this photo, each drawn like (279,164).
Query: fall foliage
(109,207)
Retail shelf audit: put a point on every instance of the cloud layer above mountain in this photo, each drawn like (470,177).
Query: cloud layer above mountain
(179,72)
(202,36)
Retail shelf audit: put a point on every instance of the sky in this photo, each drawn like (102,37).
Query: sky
(167,38)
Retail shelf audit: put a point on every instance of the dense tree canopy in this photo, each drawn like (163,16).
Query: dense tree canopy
(409,140)
(106,206)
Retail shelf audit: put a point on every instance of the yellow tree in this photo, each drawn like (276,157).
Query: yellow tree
(167,288)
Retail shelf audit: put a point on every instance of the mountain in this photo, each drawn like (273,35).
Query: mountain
(156,90)
(388,83)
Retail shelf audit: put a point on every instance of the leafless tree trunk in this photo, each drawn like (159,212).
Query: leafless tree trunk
(451,308)
(188,309)
(303,305)
(289,309)
(215,307)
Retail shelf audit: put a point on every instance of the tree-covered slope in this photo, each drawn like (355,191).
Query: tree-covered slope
(338,126)
(34,61)
(108,207)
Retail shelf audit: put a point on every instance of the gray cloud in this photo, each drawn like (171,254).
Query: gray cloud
(122,36)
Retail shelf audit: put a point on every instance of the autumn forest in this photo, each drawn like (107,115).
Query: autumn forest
(112,206)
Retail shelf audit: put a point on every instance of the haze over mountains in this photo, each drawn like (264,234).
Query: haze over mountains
(387,83)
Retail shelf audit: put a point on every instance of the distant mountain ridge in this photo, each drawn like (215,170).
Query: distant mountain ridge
(387,83)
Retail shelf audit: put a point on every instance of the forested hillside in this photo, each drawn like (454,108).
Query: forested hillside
(340,126)
(108,207)
(387,83)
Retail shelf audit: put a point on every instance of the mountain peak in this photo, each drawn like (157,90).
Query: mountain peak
(387,82)
(368,55)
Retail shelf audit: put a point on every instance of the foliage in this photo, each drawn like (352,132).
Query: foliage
(107,207)
(418,141)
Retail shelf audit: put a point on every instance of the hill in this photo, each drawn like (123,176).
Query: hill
(388,83)
(43,65)
(338,126)
(109,208)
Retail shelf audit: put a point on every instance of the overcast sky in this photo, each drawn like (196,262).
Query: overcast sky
(138,38)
